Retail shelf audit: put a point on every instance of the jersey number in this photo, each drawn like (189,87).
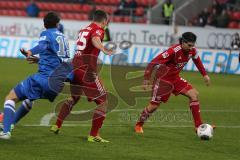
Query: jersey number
(63,47)
(83,40)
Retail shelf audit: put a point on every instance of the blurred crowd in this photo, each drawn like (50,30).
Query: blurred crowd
(217,15)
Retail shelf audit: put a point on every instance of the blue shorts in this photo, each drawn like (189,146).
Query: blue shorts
(35,87)
(44,85)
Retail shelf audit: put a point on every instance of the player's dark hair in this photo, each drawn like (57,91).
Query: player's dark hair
(188,37)
(51,20)
(99,16)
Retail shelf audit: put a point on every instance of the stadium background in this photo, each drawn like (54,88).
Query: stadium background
(169,134)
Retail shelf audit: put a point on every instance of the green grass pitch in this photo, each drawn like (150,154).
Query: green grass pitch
(168,134)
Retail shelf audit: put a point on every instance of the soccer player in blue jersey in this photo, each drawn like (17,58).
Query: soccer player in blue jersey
(52,47)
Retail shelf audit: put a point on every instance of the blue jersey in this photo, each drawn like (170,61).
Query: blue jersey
(48,82)
(52,47)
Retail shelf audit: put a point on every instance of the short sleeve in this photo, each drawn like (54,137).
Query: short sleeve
(44,37)
(98,33)
(195,54)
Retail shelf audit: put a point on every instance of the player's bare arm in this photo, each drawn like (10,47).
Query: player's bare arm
(207,80)
(146,84)
(96,41)
(32,59)
(26,53)
(29,57)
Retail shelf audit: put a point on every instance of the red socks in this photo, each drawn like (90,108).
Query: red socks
(194,106)
(144,116)
(64,112)
(97,121)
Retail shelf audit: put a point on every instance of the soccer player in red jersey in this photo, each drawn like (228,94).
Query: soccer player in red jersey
(167,80)
(89,45)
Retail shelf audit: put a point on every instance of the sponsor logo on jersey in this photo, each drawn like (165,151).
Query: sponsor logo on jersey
(180,65)
(158,98)
(89,28)
(99,32)
(196,56)
(165,54)
(176,49)
(42,38)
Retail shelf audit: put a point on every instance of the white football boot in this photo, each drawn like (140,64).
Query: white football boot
(5,135)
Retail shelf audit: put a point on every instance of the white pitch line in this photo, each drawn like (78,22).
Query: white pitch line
(170,110)
(45,120)
(119,125)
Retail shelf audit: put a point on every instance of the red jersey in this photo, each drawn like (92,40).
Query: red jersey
(174,59)
(86,54)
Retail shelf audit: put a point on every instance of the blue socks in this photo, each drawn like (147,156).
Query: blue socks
(25,107)
(9,112)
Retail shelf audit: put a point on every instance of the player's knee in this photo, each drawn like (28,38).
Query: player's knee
(194,95)
(75,99)
(102,100)
(11,96)
(153,106)
(102,103)
(27,104)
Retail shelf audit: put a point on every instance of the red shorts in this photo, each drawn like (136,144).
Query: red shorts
(89,85)
(162,89)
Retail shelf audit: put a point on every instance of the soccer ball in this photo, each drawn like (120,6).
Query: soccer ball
(205,131)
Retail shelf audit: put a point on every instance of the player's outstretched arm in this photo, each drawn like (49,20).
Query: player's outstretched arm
(146,84)
(26,53)
(33,59)
(207,80)
(96,41)
(30,58)
(202,70)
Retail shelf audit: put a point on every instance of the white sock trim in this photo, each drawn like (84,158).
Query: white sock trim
(10,103)
(27,104)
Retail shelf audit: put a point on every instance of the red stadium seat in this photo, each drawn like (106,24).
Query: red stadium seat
(50,6)
(10,12)
(85,17)
(237,15)
(143,3)
(141,20)
(70,16)
(82,17)
(105,2)
(108,9)
(4,12)
(98,1)
(21,5)
(127,19)
(117,19)
(114,2)
(76,7)
(21,13)
(74,10)
(139,11)
(58,7)
(63,15)
(78,16)
(233,25)
(42,14)
(67,7)
(44,6)
(40,5)
(11,4)
(86,8)
(4,4)
(146,3)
